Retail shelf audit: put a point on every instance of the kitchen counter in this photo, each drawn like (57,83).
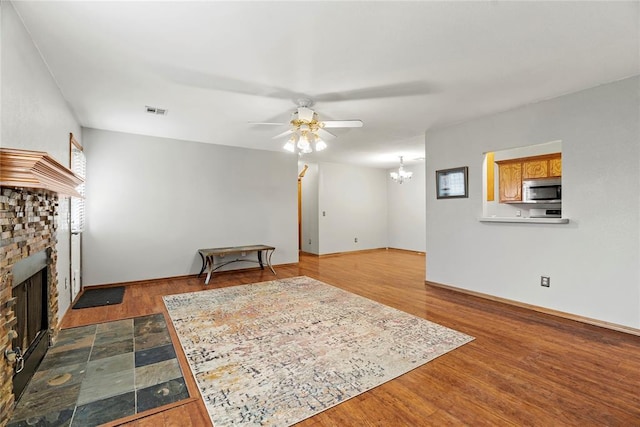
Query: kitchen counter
(524,220)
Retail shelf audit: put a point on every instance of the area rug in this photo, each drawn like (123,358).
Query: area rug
(275,353)
(99,297)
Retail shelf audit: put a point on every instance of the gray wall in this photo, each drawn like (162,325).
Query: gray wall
(594,261)
(153,202)
(406,210)
(354,199)
(364,203)
(35,116)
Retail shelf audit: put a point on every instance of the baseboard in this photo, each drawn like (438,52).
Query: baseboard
(362,251)
(140,282)
(562,314)
(182,277)
(407,251)
(307,253)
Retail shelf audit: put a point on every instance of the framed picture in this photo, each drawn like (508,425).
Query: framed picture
(452,183)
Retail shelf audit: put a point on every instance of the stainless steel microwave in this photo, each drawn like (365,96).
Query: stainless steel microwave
(542,190)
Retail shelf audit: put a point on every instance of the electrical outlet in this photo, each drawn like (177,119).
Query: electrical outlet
(355,240)
(545,281)
(309,241)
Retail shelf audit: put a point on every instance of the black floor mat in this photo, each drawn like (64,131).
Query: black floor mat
(98,297)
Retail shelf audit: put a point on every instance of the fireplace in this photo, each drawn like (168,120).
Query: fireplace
(28,287)
(30,306)
(30,185)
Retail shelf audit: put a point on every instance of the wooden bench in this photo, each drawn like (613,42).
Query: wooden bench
(209,257)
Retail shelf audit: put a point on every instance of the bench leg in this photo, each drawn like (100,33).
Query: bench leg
(204,264)
(209,265)
(269,253)
(260,260)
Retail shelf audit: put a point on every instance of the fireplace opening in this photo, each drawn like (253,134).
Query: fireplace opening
(31,340)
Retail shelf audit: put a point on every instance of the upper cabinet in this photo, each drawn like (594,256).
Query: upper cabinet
(513,171)
(510,186)
(555,166)
(535,169)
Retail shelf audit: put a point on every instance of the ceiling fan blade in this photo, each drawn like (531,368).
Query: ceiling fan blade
(326,135)
(343,123)
(267,123)
(285,133)
(385,91)
(204,80)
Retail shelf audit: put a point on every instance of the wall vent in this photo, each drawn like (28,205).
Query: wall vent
(156,110)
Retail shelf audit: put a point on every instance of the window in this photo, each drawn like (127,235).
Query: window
(78,166)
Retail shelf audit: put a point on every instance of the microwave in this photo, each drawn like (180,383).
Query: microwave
(542,190)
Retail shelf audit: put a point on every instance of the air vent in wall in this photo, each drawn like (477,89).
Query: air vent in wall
(156,110)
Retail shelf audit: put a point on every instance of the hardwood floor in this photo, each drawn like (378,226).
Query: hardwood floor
(523,368)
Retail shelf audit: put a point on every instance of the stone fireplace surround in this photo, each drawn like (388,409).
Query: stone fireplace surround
(30,184)
(27,226)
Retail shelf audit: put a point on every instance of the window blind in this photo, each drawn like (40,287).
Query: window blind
(79,167)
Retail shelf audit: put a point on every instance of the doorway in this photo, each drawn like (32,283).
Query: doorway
(300,176)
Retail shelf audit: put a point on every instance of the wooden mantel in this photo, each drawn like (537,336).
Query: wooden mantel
(36,169)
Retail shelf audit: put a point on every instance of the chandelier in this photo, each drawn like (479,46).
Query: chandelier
(305,132)
(401,175)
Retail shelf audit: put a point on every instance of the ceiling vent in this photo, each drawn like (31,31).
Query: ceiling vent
(156,111)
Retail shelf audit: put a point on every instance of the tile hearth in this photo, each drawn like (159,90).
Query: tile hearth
(99,373)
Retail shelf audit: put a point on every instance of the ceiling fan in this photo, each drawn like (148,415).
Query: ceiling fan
(307,132)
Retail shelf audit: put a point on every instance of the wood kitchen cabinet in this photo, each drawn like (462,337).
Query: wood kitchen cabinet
(513,171)
(510,181)
(555,166)
(547,166)
(535,169)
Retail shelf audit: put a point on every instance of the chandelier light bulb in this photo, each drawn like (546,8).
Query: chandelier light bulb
(401,175)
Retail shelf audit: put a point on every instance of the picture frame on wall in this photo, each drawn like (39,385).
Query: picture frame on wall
(452,183)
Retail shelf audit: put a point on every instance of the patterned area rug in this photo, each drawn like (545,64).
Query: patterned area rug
(275,353)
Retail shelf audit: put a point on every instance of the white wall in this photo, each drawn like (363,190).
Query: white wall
(35,116)
(310,232)
(353,200)
(153,202)
(356,201)
(406,210)
(594,261)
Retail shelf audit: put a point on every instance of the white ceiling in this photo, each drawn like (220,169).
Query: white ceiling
(400,67)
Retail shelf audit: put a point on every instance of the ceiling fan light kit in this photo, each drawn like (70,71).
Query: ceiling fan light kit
(320,145)
(303,142)
(402,175)
(306,131)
